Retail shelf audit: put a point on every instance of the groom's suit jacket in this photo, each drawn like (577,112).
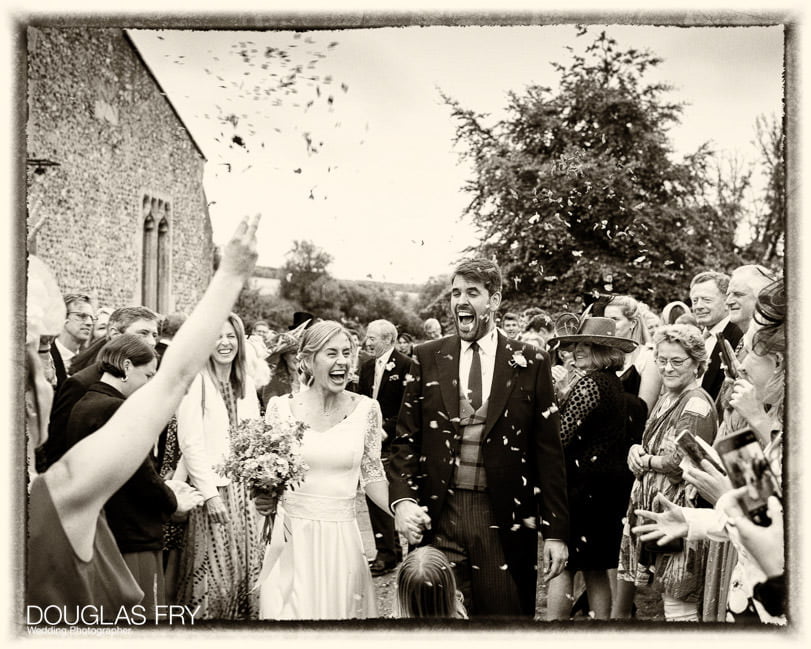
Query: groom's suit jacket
(521,447)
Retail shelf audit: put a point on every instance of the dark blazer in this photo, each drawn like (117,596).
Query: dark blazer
(521,447)
(65,398)
(714,375)
(392,386)
(59,365)
(137,511)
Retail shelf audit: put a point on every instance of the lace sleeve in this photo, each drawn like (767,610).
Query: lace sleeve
(371,465)
(583,398)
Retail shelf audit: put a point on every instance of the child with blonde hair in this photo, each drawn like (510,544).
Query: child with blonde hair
(426,587)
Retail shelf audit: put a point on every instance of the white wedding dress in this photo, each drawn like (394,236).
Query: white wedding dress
(314,566)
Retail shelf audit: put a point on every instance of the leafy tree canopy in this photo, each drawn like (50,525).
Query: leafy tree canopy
(576,190)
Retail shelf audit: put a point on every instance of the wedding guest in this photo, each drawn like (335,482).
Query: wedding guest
(284,376)
(638,374)
(432,329)
(72,559)
(538,331)
(677,572)
(405,344)
(744,285)
(426,588)
(478,501)
(74,336)
(595,442)
(137,511)
(221,557)
(510,325)
(140,321)
(383,378)
(756,401)
(100,327)
(673,310)
(708,296)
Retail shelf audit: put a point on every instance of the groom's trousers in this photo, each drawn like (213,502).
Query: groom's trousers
(467,534)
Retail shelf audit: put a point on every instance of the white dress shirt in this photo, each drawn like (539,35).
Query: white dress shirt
(380,367)
(65,354)
(709,342)
(487,354)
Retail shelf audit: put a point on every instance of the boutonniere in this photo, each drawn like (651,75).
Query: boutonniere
(518,360)
(389,366)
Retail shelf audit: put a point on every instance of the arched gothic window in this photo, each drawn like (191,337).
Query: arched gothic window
(156,255)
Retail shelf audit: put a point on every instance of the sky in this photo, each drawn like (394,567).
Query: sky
(383,193)
(727,87)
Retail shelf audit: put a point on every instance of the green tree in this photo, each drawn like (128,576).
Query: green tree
(305,265)
(576,192)
(768,226)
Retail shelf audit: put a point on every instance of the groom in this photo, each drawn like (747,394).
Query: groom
(477,455)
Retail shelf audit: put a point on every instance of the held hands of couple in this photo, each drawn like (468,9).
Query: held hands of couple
(410,520)
(555,557)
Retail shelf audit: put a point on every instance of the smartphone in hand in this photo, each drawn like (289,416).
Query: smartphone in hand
(730,362)
(748,467)
(695,451)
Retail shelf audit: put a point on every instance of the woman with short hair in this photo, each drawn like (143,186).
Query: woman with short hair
(678,572)
(137,511)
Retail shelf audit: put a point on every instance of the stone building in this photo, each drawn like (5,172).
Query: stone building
(114,178)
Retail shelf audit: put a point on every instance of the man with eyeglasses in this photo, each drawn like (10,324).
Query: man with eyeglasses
(708,293)
(138,320)
(74,335)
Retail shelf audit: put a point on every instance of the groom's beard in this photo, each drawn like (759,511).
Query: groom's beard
(483,323)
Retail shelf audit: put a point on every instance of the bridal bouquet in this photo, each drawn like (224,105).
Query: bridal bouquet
(266,460)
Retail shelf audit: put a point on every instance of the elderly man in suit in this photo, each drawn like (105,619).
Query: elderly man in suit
(477,465)
(382,377)
(708,294)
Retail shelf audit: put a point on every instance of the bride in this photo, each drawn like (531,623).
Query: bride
(314,566)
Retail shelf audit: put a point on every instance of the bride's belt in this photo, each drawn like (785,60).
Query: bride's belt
(318,508)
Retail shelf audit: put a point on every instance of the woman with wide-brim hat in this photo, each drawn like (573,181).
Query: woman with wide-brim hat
(596,443)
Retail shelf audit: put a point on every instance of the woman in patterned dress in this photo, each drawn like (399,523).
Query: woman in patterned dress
(595,443)
(679,574)
(221,557)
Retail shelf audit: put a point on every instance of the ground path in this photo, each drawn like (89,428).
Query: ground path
(648,603)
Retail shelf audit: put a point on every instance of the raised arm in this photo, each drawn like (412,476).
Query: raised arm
(87,475)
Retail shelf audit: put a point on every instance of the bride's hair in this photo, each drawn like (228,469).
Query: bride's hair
(313,340)
(426,586)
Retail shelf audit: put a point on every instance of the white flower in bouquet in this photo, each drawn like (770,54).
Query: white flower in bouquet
(265,459)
